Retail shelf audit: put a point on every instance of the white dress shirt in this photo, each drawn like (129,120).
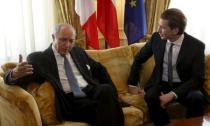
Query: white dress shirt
(176,49)
(62,74)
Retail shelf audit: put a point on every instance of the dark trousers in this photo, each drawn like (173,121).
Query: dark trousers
(193,102)
(99,108)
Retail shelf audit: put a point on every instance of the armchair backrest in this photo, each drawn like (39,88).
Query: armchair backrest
(118,62)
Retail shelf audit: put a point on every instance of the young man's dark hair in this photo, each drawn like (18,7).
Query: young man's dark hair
(176,19)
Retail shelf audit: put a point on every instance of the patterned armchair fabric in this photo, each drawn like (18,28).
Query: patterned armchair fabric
(17,107)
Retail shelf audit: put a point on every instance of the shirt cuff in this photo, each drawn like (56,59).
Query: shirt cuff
(175,95)
(10,79)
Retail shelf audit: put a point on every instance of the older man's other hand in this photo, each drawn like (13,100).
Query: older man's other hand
(135,90)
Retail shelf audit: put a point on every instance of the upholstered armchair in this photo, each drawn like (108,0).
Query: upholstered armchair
(43,94)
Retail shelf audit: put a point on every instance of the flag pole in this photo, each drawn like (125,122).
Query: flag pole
(106,45)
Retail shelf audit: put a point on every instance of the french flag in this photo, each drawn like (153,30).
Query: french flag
(87,13)
(107,21)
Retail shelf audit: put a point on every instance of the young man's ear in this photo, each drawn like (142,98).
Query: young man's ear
(53,37)
(176,31)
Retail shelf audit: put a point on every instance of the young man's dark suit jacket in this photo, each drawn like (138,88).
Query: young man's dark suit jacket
(190,63)
(45,68)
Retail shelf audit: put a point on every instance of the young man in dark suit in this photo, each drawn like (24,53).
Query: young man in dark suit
(96,99)
(179,68)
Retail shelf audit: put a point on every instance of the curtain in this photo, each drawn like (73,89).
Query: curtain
(154,8)
(25,26)
(65,12)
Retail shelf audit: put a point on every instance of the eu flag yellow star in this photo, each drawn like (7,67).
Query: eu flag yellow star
(133,3)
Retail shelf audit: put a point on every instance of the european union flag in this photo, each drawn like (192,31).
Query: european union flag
(135,26)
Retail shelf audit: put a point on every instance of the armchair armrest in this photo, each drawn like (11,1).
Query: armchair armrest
(17,107)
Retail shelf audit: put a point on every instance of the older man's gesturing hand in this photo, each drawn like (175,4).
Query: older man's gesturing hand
(22,69)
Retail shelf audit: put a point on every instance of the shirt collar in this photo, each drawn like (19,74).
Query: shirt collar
(55,51)
(178,41)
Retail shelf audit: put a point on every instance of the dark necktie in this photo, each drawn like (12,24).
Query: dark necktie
(170,67)
(72,79)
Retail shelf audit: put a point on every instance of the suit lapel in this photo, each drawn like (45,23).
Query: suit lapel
(73,54)
(162,50)
(183,49)
(51,64)
(77,56)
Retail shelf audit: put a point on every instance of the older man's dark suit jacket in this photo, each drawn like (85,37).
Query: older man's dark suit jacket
(190,63)
(45,68)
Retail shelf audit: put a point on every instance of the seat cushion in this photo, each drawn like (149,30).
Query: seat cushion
(45,98)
